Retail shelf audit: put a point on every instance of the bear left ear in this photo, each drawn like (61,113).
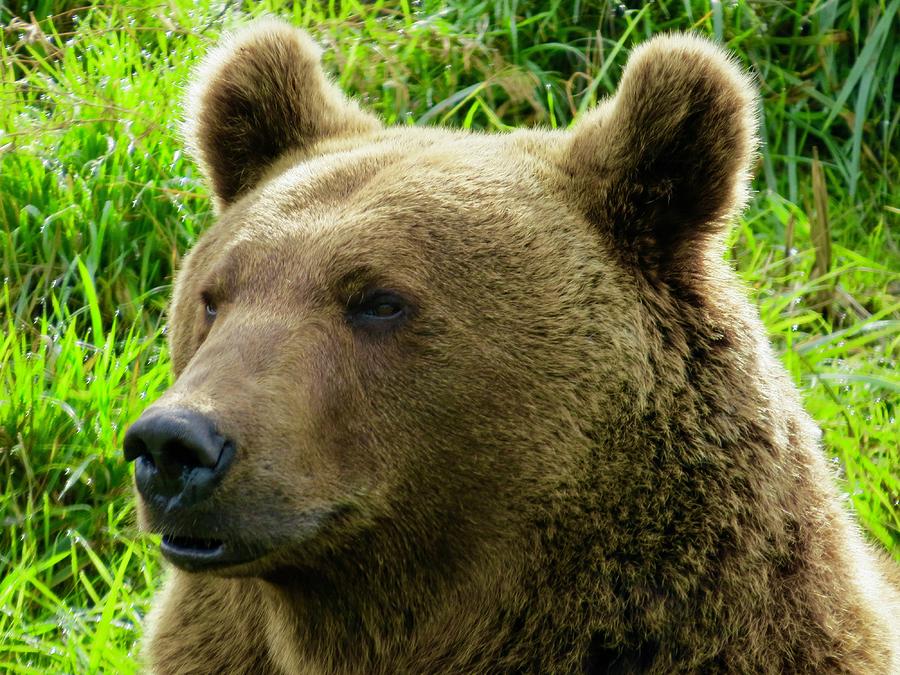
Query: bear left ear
(663,165)
(259,94)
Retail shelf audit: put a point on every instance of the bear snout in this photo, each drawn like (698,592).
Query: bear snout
(179,456)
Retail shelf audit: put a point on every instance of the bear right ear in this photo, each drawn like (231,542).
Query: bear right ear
(662,166)
(259,94)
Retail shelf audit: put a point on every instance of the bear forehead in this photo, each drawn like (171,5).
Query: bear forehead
(382,206)
(394,196)
(403,169)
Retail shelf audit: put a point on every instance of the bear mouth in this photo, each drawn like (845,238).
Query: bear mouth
(197,554)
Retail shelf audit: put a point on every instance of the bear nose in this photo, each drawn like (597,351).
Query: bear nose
(179,456)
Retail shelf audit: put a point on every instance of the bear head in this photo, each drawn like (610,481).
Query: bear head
(399,345)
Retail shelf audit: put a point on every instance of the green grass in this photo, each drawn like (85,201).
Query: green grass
(97,203)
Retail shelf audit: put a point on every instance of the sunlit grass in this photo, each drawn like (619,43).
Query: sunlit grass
(97,203)
(74,579)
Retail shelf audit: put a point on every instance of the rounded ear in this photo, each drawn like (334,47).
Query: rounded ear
(259,94)
(666,162)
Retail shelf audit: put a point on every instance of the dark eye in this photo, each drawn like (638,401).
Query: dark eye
(384,309)
(210,308)
(379,310)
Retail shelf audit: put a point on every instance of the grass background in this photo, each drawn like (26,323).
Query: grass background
(97,203)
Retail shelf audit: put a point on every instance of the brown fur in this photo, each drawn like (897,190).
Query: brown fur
(579,454)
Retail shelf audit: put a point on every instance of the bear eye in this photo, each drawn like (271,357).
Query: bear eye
(378,310)
(210,307)
(384,310)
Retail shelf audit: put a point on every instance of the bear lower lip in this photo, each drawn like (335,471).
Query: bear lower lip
(193,544)
(197,554)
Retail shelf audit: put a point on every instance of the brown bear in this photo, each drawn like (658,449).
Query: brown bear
(450,402)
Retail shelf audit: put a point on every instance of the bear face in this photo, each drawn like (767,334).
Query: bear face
(365,414)
(451,400)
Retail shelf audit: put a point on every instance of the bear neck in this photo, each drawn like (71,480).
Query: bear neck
(347,617)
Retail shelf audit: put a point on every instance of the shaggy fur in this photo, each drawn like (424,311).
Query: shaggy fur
(577,454)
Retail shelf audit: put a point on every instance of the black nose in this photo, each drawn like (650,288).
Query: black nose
(179,456)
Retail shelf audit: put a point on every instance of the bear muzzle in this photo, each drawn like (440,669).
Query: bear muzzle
(179,459)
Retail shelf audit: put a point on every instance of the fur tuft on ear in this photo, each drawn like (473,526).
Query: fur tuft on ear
(666,162)
(260,94)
